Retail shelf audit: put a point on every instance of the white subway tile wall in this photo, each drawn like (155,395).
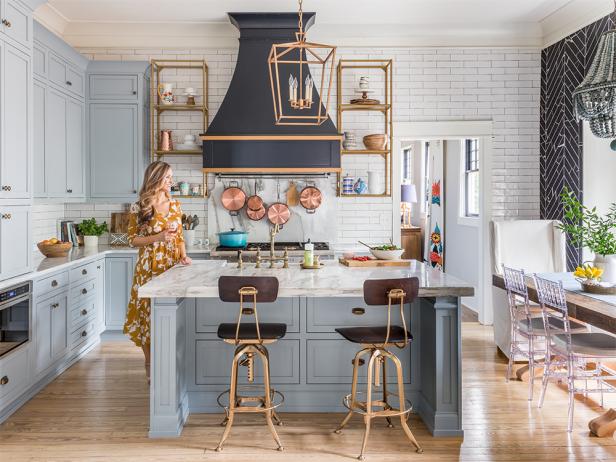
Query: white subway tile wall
(498,84)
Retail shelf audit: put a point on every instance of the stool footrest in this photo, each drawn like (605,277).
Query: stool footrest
(361,407)
(276,398)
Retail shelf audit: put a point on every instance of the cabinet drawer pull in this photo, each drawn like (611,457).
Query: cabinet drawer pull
(84,291)
(360,361)
(358,311)
(69,191)
(55,305)
(84,312)
(6,216)
(4,380)
(6,187)
(54,283)
(84,271)
(6,22)
(134,92)
(84,333)
(68,82)
(98,266)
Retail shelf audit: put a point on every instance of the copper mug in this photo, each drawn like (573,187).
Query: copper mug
(166,141)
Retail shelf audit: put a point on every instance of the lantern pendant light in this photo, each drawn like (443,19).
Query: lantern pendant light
(299,104)
(595,99)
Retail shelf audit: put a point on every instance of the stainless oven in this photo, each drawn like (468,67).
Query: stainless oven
(15,304)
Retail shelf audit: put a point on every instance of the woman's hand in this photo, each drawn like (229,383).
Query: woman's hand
(166,235)
(186,260)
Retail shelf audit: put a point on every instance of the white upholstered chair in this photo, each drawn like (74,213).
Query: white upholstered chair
(535,245)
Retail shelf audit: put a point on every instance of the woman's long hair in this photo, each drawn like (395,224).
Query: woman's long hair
(152,185)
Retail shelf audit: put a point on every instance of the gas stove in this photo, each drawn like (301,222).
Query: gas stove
(293,248)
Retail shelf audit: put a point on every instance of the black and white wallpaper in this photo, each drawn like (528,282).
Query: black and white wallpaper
(563,66)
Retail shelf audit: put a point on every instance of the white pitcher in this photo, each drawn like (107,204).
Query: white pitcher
(608,264)
(166,95)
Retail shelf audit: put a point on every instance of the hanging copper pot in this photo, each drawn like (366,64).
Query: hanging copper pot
(233,198)
(310,198)
(255,202)
(255,215)
(278,213)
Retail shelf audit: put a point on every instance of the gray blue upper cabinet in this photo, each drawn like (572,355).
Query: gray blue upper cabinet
(16,23)
(117,128)
(59,117)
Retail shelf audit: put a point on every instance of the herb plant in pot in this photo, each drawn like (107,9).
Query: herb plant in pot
(91,231)
(588,229)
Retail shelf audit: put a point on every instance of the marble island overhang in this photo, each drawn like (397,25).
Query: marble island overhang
(311,365)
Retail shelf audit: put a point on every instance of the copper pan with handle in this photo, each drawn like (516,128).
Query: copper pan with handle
(233,198)
(310,198)
(278,213)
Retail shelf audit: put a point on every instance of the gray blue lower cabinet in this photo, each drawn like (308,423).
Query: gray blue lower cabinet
(118,282)
(311,365)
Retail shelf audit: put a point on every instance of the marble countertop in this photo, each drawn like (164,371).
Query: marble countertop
(333,279)
(42,265)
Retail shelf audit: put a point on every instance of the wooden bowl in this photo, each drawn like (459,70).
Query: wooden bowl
(55,250)
(376,142)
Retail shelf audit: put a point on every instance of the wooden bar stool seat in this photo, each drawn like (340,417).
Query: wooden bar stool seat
(250,340)
(376,341)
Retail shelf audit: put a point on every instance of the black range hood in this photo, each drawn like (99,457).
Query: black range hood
(243,137)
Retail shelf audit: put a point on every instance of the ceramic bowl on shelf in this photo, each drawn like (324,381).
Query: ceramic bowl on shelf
(187,147)
(377,142)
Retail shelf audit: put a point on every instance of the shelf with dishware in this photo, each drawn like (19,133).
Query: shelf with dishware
(164,101)
(377,144)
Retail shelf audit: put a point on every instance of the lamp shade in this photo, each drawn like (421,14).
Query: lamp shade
(408,193)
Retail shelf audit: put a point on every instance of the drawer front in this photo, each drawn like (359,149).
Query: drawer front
(213,362)
(114,87)
(56,70)
(75,81)
(81,313)
(13,374)
(51,283)
(209,313)
(325,314)
(331,361)
(83,292)
(83,335)
(84,272)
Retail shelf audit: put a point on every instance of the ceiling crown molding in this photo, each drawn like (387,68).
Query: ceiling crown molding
(52,19)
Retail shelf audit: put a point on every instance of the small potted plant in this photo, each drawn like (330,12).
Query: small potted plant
(588,229)
(91,231)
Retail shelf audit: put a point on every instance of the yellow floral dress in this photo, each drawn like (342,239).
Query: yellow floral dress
(153,260)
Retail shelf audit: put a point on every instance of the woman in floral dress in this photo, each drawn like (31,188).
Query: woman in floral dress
(156,228)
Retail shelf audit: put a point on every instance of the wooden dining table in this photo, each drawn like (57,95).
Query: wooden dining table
(598,311)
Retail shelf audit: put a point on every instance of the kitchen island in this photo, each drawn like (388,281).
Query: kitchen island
(311,366)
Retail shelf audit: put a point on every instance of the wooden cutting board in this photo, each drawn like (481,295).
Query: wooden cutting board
(372,263)
(119,222)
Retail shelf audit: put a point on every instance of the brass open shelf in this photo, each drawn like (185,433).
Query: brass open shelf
(157,109)
(385,108)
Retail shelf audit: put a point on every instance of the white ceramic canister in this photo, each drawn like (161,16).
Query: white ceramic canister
(608,264)
(375,185)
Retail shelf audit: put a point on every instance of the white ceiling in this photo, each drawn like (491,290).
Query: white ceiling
(419,22)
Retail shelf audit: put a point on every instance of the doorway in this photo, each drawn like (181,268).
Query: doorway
(446,165)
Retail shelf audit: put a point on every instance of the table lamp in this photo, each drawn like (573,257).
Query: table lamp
(408,196)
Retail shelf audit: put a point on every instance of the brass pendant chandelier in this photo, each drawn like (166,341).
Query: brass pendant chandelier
(298,104)
(595,99)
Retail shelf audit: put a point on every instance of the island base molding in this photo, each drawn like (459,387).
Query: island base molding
(433,360)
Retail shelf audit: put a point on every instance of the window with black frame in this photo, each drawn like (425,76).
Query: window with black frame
(471,178)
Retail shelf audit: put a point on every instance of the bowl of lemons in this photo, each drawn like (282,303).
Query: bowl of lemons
(54,248)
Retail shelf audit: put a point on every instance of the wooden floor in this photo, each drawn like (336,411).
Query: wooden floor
(98,411)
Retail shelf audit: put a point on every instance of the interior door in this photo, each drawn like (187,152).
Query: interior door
(15,105)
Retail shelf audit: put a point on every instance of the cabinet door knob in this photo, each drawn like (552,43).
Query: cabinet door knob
(84,291)
(54,283)
(134,191)
(134,92)
(4,380)
(6,22)
(6,216)
(84,312)
(68,82)
(84,271)
(84,333)
(358,311)
(98,266)
(55,305)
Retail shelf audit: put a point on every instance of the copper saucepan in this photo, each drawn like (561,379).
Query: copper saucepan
(310,198)
(233,198)
(255,202)
(278,213)
(255,215)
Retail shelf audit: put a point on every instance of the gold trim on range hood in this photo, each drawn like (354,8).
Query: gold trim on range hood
(271,137)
